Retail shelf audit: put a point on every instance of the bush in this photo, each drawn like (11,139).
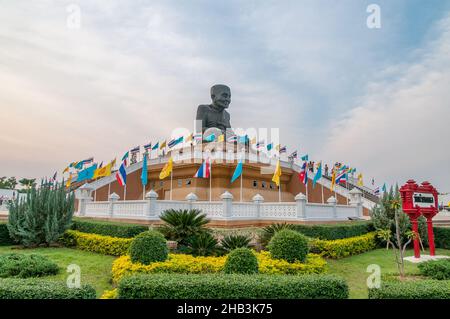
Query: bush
(148,247)
(231,242)
(188,264)
(442,237)
(269,231)
(222,286)
(436,269)
(5,240)
(13,288)
(422,289)
(181,225)
(25,266)
(341,248)
(332,232)
(108,228)
(241,261)
(105,245)
(288,245)
(202,244)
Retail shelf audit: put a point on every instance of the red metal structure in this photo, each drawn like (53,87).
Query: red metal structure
(420,200)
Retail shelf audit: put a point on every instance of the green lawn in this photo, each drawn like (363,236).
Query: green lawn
(353,269)
(95,268)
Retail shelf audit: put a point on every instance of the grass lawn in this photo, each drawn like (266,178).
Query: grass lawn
(95,268)
(353,268)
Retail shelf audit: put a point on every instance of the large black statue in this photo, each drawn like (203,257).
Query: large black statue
(214,115)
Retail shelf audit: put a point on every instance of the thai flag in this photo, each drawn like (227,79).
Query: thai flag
(121,175)
(135,150)
(283,150)
(303,174)
(147,146)
(260,144)
(204,170)
(377,191)
(342,177)
(293,155)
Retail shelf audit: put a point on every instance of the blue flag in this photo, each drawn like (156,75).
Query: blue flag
(237,172)
(144,171)
(155,147)
(87,173)
(305,158)
(318,174)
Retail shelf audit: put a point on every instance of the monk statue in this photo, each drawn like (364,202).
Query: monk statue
(214,115)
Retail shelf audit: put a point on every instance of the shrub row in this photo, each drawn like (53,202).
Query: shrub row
(188,264)
(31,288)
(341,248)
(422,289)
(5,240)
(105,245)
(436,269)
(332,232)
(442,237)
(217,286)
(25,266)
(108,228)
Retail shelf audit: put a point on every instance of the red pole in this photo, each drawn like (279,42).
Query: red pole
(430,236)
(415,229)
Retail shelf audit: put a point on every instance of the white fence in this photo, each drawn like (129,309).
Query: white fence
(151,208)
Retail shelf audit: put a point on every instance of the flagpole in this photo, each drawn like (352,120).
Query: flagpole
(241,187)
(322,192)
(109,189)
(306,186)
(279,192)
(171,180)
(210,179)
(125,192)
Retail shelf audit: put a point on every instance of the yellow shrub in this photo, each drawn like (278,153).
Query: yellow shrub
(341,248)
(180,263)
(97,243)
(109,294)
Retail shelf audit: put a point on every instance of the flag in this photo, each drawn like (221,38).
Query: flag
(156,146)
(53,179)
(237,172)
(135,150)
(66,169)
(121,175)
(232,139)
(198,137)
(318,174)
(113,163)
(80,164)
(204,170)
(221,138)
(283,150)
(87,173)
(373,181)
(69,181)
(342,177)
(293,155)
(125,157)
(210,138)
(101,165)
(253,140)
(333,179)
(243,139)
(103,171)
(73,164)
(175,141)
(377,191)
(269,146)
(303,175)
(163,144)
(190,137)
(147,146)
(360,180)
(167,169)
(260,144)
(144,175)
(305,157)
(277,174)
(384,188)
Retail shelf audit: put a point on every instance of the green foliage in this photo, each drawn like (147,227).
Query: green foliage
(180,225)
(203,244)
(289,245)
(442,237)
(231,242)
(28,182)
(269,231)
(8,183)
(113,229)
(42,217)
(25,266)
(5,239)
(32,288)
(436,269)
(148,247)
(341,248)
(241,261)
(421,289)
(232,286)
(332,232)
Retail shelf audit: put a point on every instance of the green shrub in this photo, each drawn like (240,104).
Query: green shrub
(105,245)
(231,242)
(442,237)
(241,261)
(289,245)
(112,229)
(232,286)
(32,288)
(422,289)
(339,231)
(203,244)
(148,247)
(436,269)
(5,240)
(341,248)
(181,225)
(269,231)
(25,266)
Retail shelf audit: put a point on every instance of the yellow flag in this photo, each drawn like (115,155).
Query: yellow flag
(360,180)
(221,138)
(277,174)
(66,169)
(190,137)
(333,179)
(69,181)
(163,144)
(103,171)
(167,169)
(253,140)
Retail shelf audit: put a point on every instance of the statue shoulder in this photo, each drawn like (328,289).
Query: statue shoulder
(202,109)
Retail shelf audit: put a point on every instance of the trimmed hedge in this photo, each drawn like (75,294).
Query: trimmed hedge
(436,269)
(13,288)
(5,240)
(422,289)
(148,247)
(25,266)
(220,286)
(105,245)
(442,237)
(112,229)
(332,232)
(241,261)
(288,245)
(341,248)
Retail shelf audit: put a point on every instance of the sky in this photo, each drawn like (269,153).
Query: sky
(132,72)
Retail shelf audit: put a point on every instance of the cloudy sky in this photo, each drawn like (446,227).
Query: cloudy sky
(377,99)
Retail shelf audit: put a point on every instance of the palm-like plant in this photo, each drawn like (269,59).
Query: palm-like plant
(180,225)
(232,242)
(269,231)
(203,244)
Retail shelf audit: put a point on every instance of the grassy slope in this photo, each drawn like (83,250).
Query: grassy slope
(95,268)
(353,269)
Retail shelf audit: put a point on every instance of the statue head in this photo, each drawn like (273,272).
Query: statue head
(221,96)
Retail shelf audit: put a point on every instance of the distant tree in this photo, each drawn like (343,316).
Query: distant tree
(28,182)
(8,183)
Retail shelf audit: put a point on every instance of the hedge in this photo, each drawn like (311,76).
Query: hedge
(31,288)
(442,237)
(235,286)
(338,231)
(25,266)
(341,248)
(422,289)
(105,245)
(436,269)
(5,240)
(112,229)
